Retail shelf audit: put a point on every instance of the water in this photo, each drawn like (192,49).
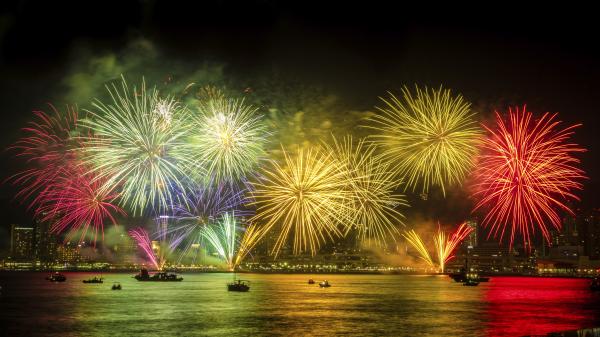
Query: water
(396,305)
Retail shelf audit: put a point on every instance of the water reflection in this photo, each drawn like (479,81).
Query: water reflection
(397,305)
(518,306)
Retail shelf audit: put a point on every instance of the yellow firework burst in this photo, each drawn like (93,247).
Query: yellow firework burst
(371,185)
(430,137)
(415,240)
(305,198)
(252,235)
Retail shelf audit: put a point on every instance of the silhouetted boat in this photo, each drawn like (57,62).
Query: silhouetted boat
(324,284)
(471,279)
(157,277)
(463,275)
(94,280)
(238,285)
(116,286)
(470,282)
(311,281)
(56,277)
(595,284)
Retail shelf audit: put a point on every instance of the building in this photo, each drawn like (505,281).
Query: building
(45,243)
(471,241)
(591,222)
(70,253)
(21,243)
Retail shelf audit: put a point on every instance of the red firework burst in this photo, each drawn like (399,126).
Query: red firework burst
(77,202)
(47,147)
(526,172)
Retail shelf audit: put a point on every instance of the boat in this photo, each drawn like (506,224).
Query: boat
(157,277)
(116,286)
(470,282)
(324,284)
(471,279)
(94,280)
(311,281)
(56,277)
(238,285)
(595,284)
(463,275)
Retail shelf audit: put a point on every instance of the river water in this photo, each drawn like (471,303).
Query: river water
(369,305)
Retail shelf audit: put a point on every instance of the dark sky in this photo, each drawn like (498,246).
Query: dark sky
(544,56)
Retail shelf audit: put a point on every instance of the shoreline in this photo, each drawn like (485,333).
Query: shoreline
(491,275)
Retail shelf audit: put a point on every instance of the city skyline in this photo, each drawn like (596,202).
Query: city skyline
(299,168)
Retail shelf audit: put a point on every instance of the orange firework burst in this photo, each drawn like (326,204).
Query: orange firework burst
(525,174)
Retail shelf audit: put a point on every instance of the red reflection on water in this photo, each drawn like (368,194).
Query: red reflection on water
(519,306)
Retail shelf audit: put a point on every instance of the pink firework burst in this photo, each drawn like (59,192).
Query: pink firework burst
(47,147)
(77,203)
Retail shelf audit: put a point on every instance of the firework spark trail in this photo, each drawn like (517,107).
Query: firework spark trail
(252,236)
(75,202)
(445,246)
(206,205)
(222,238)
(372,187)
(47,146)
(143,241)
(136,150)
(415,240)
(228,139)
(526,171)
(307,198)
(430,138)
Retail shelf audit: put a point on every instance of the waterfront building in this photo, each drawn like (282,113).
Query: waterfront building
(21,243)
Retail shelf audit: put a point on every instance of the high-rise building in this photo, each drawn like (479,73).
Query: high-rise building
(591,222)
(471,241)
(21,242)
(45,242)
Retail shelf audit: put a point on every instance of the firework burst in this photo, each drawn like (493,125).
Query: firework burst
(48,147)
(372,187)
(76,202)
(417,243)
(430,137)
(137,147)
(306,198)
(222,238)
(526,171)
(141,237)
(445,246)
(206,204)
(228,139)
(252,236)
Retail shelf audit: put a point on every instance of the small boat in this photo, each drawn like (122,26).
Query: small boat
(94,280)
(324,284)
(470,283)
(595,284)
(116,286)
(463,276)
(471,279)
(56,277)
(238,285)
(311,281)
(157,277)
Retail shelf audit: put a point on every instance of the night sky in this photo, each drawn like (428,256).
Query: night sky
(545,57)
